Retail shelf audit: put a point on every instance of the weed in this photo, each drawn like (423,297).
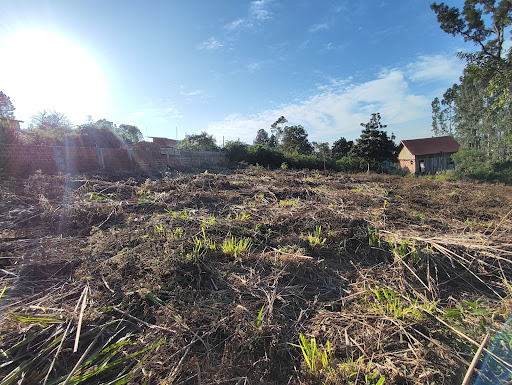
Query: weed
(98,196)
(182,214)
(169,234)
(289,202)
(315,358)
(257,323)
(142,192)
(404,250)
(387,301)
(467,309)
(2,292)
(370,380)
(373,237)
(234,247)
(201,245)
(242,217)
(210,221)
(238,183)
(284,166)
(315,239)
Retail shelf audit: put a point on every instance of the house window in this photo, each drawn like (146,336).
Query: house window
(412,162)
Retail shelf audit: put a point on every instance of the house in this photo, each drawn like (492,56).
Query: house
(428,155)
(164,142)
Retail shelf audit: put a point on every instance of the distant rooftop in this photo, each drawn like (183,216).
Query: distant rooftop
(431,145)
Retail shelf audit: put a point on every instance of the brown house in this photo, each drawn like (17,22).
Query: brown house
(428,155)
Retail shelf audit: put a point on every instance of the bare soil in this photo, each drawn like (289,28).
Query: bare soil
(401,277)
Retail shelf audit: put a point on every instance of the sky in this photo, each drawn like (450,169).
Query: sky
(229,67)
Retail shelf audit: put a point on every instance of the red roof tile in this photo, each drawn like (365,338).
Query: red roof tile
(431,145)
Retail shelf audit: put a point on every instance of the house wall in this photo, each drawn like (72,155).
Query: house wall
(435,162)
(407,160)
(23,160)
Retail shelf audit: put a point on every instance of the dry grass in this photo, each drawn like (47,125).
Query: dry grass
(401,277)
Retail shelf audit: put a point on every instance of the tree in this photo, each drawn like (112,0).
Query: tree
(272,141)
(102,134)
(295,139)
(374,145)
(277,128)
(341,148)
(129,134)
(50,120)
(322,149)
(443,113)
(199,142)
(471,25)
(481,104)
(6,107)
(261,137)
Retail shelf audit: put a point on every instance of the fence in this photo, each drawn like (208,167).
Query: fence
(22,160)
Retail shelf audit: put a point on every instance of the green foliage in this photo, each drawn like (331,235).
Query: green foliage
(6,107)
(9,131)
(237,151)
(257,323)
(387,301)
(471,162)
(277,130)
(351,163)
(288,202)
(234,246)
(373,237)
(316,359)
(374,145)
(478,109)
(261,137)
(341,148)
(316,239)
(265,155)
(295,139)
(199,142)
(129,134)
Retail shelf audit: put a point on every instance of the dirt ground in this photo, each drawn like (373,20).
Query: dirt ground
(251,276)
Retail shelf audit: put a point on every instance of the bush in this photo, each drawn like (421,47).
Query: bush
(351,164)
(237,151)
(265,155)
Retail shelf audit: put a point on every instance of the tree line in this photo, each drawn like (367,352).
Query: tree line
(289,146)
(52,128)
(477,110)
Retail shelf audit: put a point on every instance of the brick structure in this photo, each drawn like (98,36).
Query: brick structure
(16,159)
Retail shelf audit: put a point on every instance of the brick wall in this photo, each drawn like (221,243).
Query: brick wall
(23,160)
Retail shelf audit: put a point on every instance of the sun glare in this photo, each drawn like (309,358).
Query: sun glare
(42,70)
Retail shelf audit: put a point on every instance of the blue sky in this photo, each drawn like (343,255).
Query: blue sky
(229,67)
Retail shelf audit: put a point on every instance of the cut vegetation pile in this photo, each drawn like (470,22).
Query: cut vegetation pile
(252,276)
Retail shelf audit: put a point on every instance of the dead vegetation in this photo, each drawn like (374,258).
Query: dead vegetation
(251,277)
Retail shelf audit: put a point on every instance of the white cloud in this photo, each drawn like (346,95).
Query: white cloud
(257,10)
(239,23)
(192,93)
(318,27)
(257,13)
(211,43)
(337,111)
(435,67)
